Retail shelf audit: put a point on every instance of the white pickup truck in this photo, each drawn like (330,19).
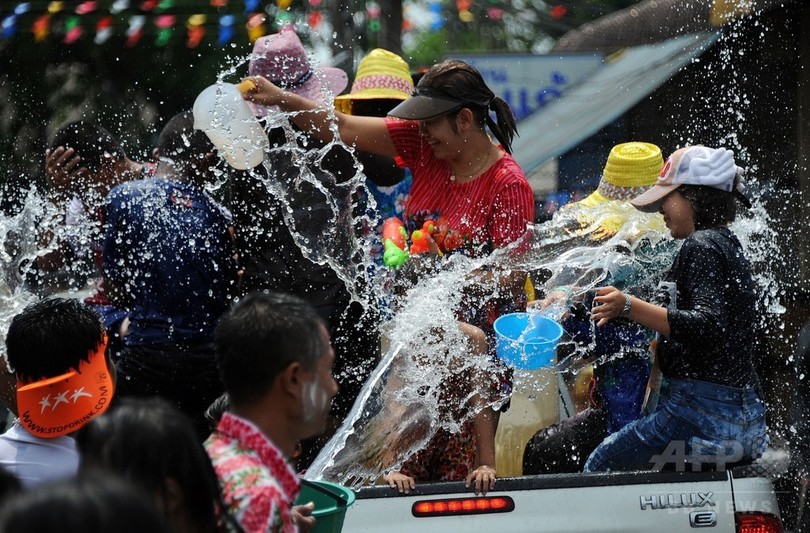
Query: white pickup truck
(645,502)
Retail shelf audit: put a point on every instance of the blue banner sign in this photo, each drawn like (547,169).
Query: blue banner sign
(529,82)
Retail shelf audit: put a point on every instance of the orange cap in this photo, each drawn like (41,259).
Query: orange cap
(53,407)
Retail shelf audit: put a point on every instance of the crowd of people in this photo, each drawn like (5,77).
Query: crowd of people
(213,359)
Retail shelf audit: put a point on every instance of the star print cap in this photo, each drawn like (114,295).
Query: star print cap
(60,405)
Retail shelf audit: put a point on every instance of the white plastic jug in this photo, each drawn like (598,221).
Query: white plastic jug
(226,119)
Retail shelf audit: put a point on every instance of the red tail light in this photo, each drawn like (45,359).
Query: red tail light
(462,506)
(757,523)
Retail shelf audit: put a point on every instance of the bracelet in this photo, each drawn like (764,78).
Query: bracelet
(627,305)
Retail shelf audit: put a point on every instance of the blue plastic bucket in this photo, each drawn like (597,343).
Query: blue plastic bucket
(331,501)
(526,341)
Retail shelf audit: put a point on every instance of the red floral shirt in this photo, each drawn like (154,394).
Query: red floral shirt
(258,485)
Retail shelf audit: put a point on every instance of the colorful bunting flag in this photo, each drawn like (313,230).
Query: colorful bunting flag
(79,15)
(195,30)
(255,26)
(9,26)
(119,6)
(41,27)
(73,30)
(135,30)
(226,32)
(85,8)
(103,29)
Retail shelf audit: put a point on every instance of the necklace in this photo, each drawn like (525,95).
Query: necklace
(454,176)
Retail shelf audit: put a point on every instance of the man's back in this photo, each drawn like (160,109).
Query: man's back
(167,244)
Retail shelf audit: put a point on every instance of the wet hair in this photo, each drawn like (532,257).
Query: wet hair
(96,503)
(52,336)
(147,441)
(260,336)
(184,146)
(712,207)
(464,82)
(93,144)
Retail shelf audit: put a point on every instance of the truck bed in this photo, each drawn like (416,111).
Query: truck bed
(602,502)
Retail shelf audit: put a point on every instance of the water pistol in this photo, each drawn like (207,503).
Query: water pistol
(395,240)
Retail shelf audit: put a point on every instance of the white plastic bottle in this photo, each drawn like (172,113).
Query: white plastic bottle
(224,116)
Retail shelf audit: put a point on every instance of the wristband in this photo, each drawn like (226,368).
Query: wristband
(627,305)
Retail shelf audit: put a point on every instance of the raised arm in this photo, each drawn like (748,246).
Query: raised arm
(368,134)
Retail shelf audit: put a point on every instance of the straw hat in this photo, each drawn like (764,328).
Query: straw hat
(631,169)
(282,59)
(380,75)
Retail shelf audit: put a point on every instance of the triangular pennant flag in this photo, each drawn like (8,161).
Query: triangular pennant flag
(226,29)
(251,6)
(103,29)
(9,26)
(135,30)
(195,20)
(73,30)
(195,35)
(41,27)
(55,7)
(85,8)
(149,5)
(165,21)
(255,26)
(22,8)
(119,6)
(164,35)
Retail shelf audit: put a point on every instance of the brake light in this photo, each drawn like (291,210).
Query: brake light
(463,506)
(757,523)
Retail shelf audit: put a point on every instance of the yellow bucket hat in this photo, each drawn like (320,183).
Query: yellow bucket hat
(631,169)
(380,75)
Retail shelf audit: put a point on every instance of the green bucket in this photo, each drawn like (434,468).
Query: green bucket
(331,501)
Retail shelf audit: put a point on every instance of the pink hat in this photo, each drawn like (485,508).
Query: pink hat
(282,59)
(693,165)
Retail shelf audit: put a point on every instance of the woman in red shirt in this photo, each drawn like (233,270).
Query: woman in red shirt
(459,174)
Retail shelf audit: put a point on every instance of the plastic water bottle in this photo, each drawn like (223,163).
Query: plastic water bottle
(224,116)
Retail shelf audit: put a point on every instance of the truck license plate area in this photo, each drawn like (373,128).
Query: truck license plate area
(463,506)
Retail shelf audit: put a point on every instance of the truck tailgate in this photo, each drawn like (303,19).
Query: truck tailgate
(622,502)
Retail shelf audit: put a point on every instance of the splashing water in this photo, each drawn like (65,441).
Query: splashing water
(403,405)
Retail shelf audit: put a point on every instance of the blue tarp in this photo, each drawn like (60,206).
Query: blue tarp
(625,79)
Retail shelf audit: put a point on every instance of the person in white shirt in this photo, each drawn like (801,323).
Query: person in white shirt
(57,349)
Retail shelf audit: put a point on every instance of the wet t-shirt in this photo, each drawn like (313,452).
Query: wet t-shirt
(715,324)
(167,243)
(270,257)
(490,211)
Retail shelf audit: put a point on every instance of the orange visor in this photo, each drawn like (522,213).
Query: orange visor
(56,406)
